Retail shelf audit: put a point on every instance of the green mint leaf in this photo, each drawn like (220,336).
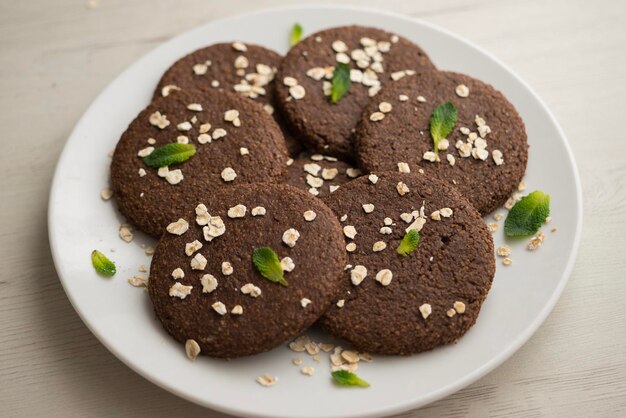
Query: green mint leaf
(296,34)
(267,263)
(340,82)
(169,154)
(409,242)
(346,378)
(442,122)
(102,264)
(527,216)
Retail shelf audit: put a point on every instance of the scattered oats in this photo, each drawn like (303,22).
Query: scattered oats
(377,116)
(493,227)
(184,126)
(313,181)
(151,141)
(462,90)
(304,302)
(126,232)
(227,268)
(350,356)
(373,178)
(403,97)
(385,230)
(507,261)
(165,91)
(384,277)
(465,150)
(498,159)
(138,281)
(179,290)
(353,172)
(388,221)
(314,191)
(418,224)
(446,212)
(503,251)
(402,188)
(497,216)
(343,218)
(339,46)
(385,107)
(297,361)
(327,88)
(510,203)
(341,303)
(450,312)
(335,357)
(287,264)
(266,380)
(192,247)
(443,144)
(204,128)
(144,152)
(200,69)
(143,268)
(316,73)
(269,109)
(215,83)
(219,133)
(480,154)
(174,176)
(230,115)
(379,246)
(309,215)
(368,208)
(149,250)
(297,92)
(308,370)
(350,247)
(435,216)
(521,186)
(106,193)
(241,62)
(349,231)
(214,229)
(237,310)
(228,174)
(421,99)
(358,274)
(198,262)
(220,308)
(290,237)
(178,274)
(195,107)
(342,58)
(398,75)
(312,168)
(182,139)
(451,159)
(239,46)
(192,349)
(404,168)
(289,162)
(459,307)
(426,310)
(237,211)
(536,241)
(251,289)
(430,156)
(311,348)
(329,173)
(258,211)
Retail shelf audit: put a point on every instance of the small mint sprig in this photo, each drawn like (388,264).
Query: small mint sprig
(169,154)
(346,378)
(267,263)
(340,83)
(409,242)
(296,34)
(527,216)
(442,122)
(102,264)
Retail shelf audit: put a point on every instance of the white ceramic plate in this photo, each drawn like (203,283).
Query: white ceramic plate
(121,316)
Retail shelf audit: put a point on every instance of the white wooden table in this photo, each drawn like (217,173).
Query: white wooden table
(55,56)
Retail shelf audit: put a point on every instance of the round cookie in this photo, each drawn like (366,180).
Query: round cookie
(226,154)
(319,174)
(308,68)
(485,117)
(430,297)
(222,275)
(246,69)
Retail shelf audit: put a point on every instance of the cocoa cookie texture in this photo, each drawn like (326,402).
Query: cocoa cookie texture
(376,58)
(236,67)
(394,304)
(208,290)
(236,142)
(319,174)
(484,156)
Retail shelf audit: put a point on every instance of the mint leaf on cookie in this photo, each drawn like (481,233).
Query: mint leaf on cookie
(267,263)
(296,34)
(340,82)
(169,154)
(442,122)
(409,242)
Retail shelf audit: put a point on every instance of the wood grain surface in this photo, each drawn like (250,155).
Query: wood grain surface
(56,56)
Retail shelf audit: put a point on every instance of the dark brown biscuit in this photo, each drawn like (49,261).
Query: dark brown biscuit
(448,274)
(403,136)
(235,67)
(319,174)
(254,152)
(324,127)
(279,312)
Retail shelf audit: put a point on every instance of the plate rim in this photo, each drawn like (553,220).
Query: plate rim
(427,398)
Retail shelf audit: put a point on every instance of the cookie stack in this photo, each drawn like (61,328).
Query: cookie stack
(284,194)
